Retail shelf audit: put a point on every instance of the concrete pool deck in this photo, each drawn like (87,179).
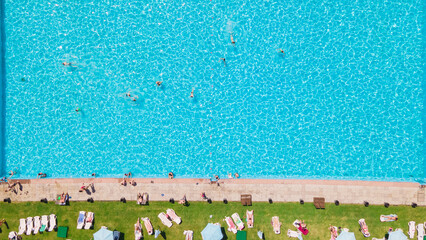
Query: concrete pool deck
(160,189)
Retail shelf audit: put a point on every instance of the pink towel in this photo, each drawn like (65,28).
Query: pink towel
(304,231)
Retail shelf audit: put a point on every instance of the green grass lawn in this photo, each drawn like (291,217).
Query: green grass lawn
(122,216)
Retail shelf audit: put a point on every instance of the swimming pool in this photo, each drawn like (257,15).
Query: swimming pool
(345,101)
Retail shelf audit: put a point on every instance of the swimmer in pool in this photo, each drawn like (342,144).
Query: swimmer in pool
(224,61)
(232,39)
(192,93)
(282,51)
(66,63)
(158,83)
(77,110)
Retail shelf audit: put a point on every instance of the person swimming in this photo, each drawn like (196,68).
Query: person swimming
(66,63)
(158,83)
(232,39)
(192,93)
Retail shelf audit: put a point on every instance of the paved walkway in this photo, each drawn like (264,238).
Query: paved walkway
(109,189)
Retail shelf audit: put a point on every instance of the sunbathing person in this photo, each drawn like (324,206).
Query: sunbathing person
(302,228)
(124,182)
(388,218)
(140,199)
(333,232)
(62,199)
(83,188)
(183,201)
(203,196)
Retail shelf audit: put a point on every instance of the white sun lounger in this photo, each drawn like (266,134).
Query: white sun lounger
(231,225)
(148,225)
(250,218)
(22,226)
(238,221)
(13,236)
(188,234)
(30,225)
(81,219)
(37,224)
(276,224)
(44,223)
(411,229)
(175,218)
(364,227)
(294,234)
(89,220)
(420,231)
(52,222)
(138,230)
(165,220)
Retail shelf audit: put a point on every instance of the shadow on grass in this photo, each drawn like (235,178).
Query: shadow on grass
(222,229)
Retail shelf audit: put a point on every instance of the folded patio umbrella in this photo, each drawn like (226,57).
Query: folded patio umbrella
(260,234)
(157,233)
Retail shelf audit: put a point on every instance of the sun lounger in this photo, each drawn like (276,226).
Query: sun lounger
(188,234)
(37,224)
(294,234)
(238,221)
(30,225)
(13,236)
(165,220)
(333,234)
(22,226)
(138,230)
(148,226)
(250,218)
(52,222)
(80,220)
(89,220)
(145,198)
(364,227)
(175,218)
(276,224)
(388,218)
(420,231)
(411,229)
(44,223)
(231,225)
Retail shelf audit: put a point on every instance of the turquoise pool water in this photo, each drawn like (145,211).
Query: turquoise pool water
(345,101)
